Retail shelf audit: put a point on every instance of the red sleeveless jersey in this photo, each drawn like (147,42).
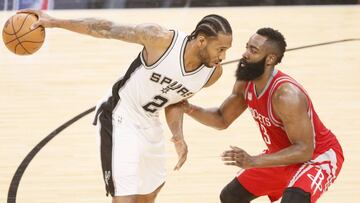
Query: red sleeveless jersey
(271,126)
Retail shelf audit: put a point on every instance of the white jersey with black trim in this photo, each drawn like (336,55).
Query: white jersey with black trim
(150,88)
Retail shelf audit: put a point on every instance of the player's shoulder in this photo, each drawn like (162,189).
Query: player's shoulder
(288,93)
(155,34)
(239,87)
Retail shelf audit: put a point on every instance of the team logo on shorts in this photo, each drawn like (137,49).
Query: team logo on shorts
(316,180)
(107,177)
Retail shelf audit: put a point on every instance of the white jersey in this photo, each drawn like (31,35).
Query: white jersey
(132,149)
(146,89)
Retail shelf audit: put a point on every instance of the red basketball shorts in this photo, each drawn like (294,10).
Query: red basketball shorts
(314,176)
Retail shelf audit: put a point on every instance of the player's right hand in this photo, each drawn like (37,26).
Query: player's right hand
(181,150)
(238,157)
(43,19)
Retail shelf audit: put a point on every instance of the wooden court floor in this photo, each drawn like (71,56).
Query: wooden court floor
(71,72)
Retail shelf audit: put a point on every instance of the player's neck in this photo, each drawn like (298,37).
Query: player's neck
(191,61)
(261,82)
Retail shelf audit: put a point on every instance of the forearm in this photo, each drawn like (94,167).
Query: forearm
(97,28)
(290,155)
(174,118)
(210,116)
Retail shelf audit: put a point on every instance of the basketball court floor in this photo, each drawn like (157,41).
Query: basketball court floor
(71,72)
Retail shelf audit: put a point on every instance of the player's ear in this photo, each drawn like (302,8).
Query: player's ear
(271,59)
(201,40)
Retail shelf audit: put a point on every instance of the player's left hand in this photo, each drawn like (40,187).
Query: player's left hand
(44,19)
(181,150)
(238,157)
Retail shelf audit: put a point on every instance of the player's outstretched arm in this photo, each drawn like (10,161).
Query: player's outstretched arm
(144,34)
(291,106)
(223,116)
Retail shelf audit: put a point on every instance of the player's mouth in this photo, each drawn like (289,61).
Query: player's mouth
(243,62)
(217,62)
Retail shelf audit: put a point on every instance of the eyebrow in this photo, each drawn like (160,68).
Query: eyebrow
(252,46)
(223,47)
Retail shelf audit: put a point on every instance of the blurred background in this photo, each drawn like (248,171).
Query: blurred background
(110,4)
(71,72)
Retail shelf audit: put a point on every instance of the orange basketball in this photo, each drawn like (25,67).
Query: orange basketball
(19,38)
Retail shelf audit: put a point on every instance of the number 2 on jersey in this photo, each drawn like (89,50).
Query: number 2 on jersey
(158,102)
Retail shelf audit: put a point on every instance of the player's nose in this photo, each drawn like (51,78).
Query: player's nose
(222,56)
(245,55)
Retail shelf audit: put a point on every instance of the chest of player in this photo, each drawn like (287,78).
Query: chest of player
(261,110)
(259,106)
(169,82)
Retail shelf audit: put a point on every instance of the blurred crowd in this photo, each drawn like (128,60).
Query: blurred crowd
(103,4)
(206,3)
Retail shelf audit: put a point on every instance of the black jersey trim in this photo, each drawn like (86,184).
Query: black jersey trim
(182,59)
(211,73)
(109,105)
(106,152)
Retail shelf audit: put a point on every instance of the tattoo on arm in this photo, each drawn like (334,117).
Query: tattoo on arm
(100,28)
(150,32)
(141,34)
(103,29)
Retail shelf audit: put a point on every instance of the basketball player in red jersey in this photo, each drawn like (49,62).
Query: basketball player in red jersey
(303,157)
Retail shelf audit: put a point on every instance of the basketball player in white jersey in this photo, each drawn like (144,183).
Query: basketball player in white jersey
(171,67)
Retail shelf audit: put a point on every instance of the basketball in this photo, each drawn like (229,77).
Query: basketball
(19,38)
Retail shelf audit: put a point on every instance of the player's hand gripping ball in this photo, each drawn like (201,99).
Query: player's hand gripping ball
(19,38)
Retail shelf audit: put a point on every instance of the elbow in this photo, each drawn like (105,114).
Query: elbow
(222,126)
(221,123)
(307,153)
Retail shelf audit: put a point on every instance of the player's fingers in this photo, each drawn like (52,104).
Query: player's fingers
(233,163)
(29,11)
(178,165)
(228,158)
(228,153)
(35,25)
(230,163)
(235,148)
(180,162)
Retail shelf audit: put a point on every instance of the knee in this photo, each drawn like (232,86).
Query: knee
(149,198)
(229,196)
(295,195)
(225,196)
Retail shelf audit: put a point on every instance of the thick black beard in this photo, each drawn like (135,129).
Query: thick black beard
(250,71)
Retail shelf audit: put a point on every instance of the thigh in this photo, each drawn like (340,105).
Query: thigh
(119,156)
(149,198)
(316,176)
(125,160)
(295,195)
(234,192)
(265,181)
(125,199)
(138,159)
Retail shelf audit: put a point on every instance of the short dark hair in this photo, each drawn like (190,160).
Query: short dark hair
(211,25)
(274,36)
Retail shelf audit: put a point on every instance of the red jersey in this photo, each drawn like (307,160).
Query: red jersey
(271,126)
